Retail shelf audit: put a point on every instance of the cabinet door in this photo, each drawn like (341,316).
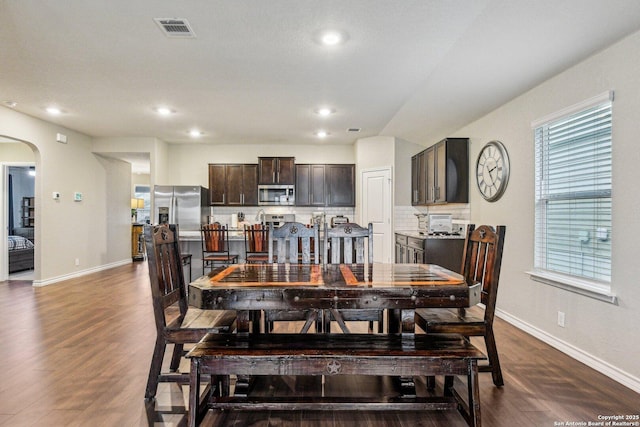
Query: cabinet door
(250,185)
(318,190)
(217,184)
(440,194)
(419,179)
(286,171)
(267,168)
(341,185)
(303,185)
(430,173)
(233,190)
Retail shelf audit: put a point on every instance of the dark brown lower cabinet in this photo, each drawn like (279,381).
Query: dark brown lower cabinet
(423,250)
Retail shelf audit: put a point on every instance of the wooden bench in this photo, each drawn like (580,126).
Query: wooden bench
(334,354)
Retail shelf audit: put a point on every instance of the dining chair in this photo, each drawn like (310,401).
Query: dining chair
(256,243)
(215,246)
(291,244)
(176,323)
(481,263)
(350,243)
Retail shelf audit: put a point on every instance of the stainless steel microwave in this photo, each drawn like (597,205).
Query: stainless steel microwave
(276,195)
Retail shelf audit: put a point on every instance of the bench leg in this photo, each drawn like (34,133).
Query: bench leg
(474,394)
(194,392)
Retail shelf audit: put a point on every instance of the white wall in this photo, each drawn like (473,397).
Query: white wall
(96,231)
(189,162)
(602,334)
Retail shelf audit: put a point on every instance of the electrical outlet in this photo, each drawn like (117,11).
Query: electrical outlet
(77,261)
(561,319)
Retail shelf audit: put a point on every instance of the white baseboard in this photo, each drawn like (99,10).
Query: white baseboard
(50,281)
(593,362)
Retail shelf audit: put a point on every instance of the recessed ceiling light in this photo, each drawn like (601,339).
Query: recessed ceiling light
(325,111)
(195,133)
(11,104)
(53,110)
(331,37)
(322,134)
(164,111)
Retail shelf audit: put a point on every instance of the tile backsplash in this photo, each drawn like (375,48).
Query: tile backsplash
(222,214)
(405,216)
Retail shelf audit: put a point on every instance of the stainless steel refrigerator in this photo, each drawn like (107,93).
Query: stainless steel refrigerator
(185,205)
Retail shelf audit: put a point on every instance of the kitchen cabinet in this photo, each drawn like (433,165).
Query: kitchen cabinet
(310,185)
(446,252)
(440,173)
(341,184)
(276,170)
(325,185)
(233,184)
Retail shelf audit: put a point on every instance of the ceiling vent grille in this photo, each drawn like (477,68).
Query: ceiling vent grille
(175,27)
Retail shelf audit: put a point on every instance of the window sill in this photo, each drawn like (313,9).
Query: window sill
(574,285)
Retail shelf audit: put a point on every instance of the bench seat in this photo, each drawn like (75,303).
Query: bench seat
(398,355)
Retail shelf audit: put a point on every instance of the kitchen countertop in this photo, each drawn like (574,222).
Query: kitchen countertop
(418,235)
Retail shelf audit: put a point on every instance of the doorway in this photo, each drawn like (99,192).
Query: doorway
(20,216)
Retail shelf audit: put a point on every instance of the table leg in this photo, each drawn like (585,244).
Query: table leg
(406,323)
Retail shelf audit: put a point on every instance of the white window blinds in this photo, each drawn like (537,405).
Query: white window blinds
(573,194)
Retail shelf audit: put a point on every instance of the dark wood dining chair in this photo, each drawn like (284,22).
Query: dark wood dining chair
(256,243)
(215,246)
(481,262)
(291,244)
(176,323)
(350,243)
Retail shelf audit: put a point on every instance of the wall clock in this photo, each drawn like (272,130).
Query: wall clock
(492,170)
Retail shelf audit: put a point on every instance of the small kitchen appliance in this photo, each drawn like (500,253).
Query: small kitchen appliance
(440,224)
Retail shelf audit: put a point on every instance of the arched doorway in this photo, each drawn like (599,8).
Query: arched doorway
(18,245)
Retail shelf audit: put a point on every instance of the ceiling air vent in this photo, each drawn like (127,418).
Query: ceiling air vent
(353,130)
(175,27)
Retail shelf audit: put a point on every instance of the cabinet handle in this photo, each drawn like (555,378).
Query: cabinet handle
(273,178)
(223,194)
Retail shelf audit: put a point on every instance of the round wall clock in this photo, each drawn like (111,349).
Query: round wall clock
(492,170)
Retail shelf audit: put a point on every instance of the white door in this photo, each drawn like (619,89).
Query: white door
(376,209)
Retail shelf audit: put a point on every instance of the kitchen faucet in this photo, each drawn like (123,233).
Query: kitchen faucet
(260,216)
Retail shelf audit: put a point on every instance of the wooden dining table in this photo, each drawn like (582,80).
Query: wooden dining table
(397,288)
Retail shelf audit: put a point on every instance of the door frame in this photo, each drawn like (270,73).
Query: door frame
(4,234)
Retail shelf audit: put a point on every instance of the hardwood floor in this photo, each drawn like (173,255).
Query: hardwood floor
(77,353)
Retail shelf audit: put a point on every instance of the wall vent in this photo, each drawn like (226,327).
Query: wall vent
(175,27)
(353,130)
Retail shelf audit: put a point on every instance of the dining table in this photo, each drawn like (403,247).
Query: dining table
(398,289)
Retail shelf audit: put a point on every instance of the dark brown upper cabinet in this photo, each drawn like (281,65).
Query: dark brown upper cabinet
(325,185)
(233,184)
(276,170)
(440,174)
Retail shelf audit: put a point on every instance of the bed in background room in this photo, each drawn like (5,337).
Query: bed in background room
(21,249)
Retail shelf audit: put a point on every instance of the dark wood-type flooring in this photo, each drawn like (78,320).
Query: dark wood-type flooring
(77,353)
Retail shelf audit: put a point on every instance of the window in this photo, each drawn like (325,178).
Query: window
(573,195)
(143,192)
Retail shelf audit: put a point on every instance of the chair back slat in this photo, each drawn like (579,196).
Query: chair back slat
(291,243)
(256,238)
(214,237)
(349,244)
(165,270)
(482,261)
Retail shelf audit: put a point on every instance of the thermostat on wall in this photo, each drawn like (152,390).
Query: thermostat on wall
(77,197)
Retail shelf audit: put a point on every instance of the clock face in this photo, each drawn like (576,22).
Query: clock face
(492,170)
